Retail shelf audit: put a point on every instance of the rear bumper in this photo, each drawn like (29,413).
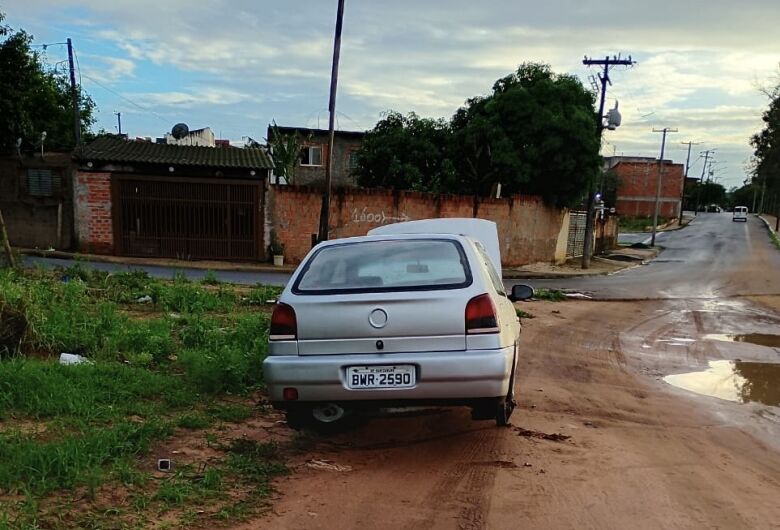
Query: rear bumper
(462,375)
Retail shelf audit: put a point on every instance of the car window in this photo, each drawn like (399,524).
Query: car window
(376,266)
(494,277)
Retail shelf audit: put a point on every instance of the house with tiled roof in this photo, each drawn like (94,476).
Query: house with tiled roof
(175,201)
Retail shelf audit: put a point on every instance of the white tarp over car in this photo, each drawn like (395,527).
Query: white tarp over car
(484,231)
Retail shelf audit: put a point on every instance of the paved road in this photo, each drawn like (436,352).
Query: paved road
(712,257)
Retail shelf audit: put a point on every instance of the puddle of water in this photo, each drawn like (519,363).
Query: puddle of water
(738,381)
(761,339)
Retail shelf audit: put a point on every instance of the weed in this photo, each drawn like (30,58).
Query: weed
(210,278)
(553,295)
(212,480)
(231,413)
(524,314)
(175,490)
(261,294)
(72,461)
(254,461)
(194,421)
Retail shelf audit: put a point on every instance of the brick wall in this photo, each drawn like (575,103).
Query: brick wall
(637,184)
(94,230)
(529,231)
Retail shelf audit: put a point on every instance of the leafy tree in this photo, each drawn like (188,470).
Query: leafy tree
(708,193)
(34,100)
(405,152)
(766,144)
(742,196)
(285,152)
(536,133)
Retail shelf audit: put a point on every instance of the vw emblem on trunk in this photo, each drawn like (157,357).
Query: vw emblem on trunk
(378,318)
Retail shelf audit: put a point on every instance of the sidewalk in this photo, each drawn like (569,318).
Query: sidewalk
(616,260)
(770,220)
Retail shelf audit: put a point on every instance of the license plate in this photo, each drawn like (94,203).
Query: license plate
(399,376)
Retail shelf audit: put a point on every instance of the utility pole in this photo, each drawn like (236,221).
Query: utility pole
(606,63)
(74,94)
(701,179)
(685,179)
(119,122)
(334,77)
(658,179)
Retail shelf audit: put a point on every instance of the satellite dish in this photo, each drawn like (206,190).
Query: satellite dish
(180,130)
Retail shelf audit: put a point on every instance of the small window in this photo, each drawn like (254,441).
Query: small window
(43,182)
(311,155)
(352,161)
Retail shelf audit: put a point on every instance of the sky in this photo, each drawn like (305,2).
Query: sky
(237,65)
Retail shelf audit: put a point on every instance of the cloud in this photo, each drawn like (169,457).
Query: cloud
(699,63)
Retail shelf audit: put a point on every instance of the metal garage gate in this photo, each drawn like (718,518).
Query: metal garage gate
(576,241)
(187,218)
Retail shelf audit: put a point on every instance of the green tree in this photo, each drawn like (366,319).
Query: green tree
(536,133)
(405,152)
(708,193)
(766,145)
(33,99)
(285,152)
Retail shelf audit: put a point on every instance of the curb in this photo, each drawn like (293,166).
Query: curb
(531,275)
(174,264)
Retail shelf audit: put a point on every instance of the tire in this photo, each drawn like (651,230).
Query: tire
(506,405)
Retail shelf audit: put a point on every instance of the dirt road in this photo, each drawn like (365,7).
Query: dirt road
(641,455)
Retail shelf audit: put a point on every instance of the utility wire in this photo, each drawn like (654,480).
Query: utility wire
(127,99)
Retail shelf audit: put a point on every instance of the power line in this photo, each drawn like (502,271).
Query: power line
(127,99)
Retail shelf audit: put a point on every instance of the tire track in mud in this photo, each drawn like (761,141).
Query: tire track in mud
(466,485)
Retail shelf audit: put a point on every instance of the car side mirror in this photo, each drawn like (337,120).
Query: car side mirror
(521,292)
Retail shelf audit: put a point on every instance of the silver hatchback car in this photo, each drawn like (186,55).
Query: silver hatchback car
(396,319)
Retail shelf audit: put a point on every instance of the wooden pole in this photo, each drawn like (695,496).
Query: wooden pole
(6,243)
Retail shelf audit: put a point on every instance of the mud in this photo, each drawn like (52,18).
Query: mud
(644,456)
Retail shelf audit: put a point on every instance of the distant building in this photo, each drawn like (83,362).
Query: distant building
(199,137)
(637,186)
(311,165)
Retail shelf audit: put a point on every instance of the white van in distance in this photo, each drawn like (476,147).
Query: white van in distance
(740,213)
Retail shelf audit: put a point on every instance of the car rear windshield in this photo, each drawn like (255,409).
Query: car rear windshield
(383,266)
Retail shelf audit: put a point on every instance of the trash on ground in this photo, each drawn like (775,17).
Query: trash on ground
(145,299)
(164,464)
(326,465)
(578,296)
(72,358)
(554,437)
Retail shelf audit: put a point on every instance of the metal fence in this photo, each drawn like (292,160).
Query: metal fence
(187,218)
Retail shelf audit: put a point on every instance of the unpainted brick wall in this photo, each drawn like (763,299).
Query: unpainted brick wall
(637,186)
(93,212)
(528,229)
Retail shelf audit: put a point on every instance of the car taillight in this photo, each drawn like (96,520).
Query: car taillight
(481,315)
(284,326)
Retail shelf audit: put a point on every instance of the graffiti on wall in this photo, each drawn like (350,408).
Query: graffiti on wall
(377,218)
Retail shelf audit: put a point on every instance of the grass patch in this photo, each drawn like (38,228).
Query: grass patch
(523,314)
(163,357)
(638,224)
(552,295)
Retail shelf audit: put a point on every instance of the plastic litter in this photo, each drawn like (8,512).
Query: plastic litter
(72,358)
(327,465)
(145,299)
